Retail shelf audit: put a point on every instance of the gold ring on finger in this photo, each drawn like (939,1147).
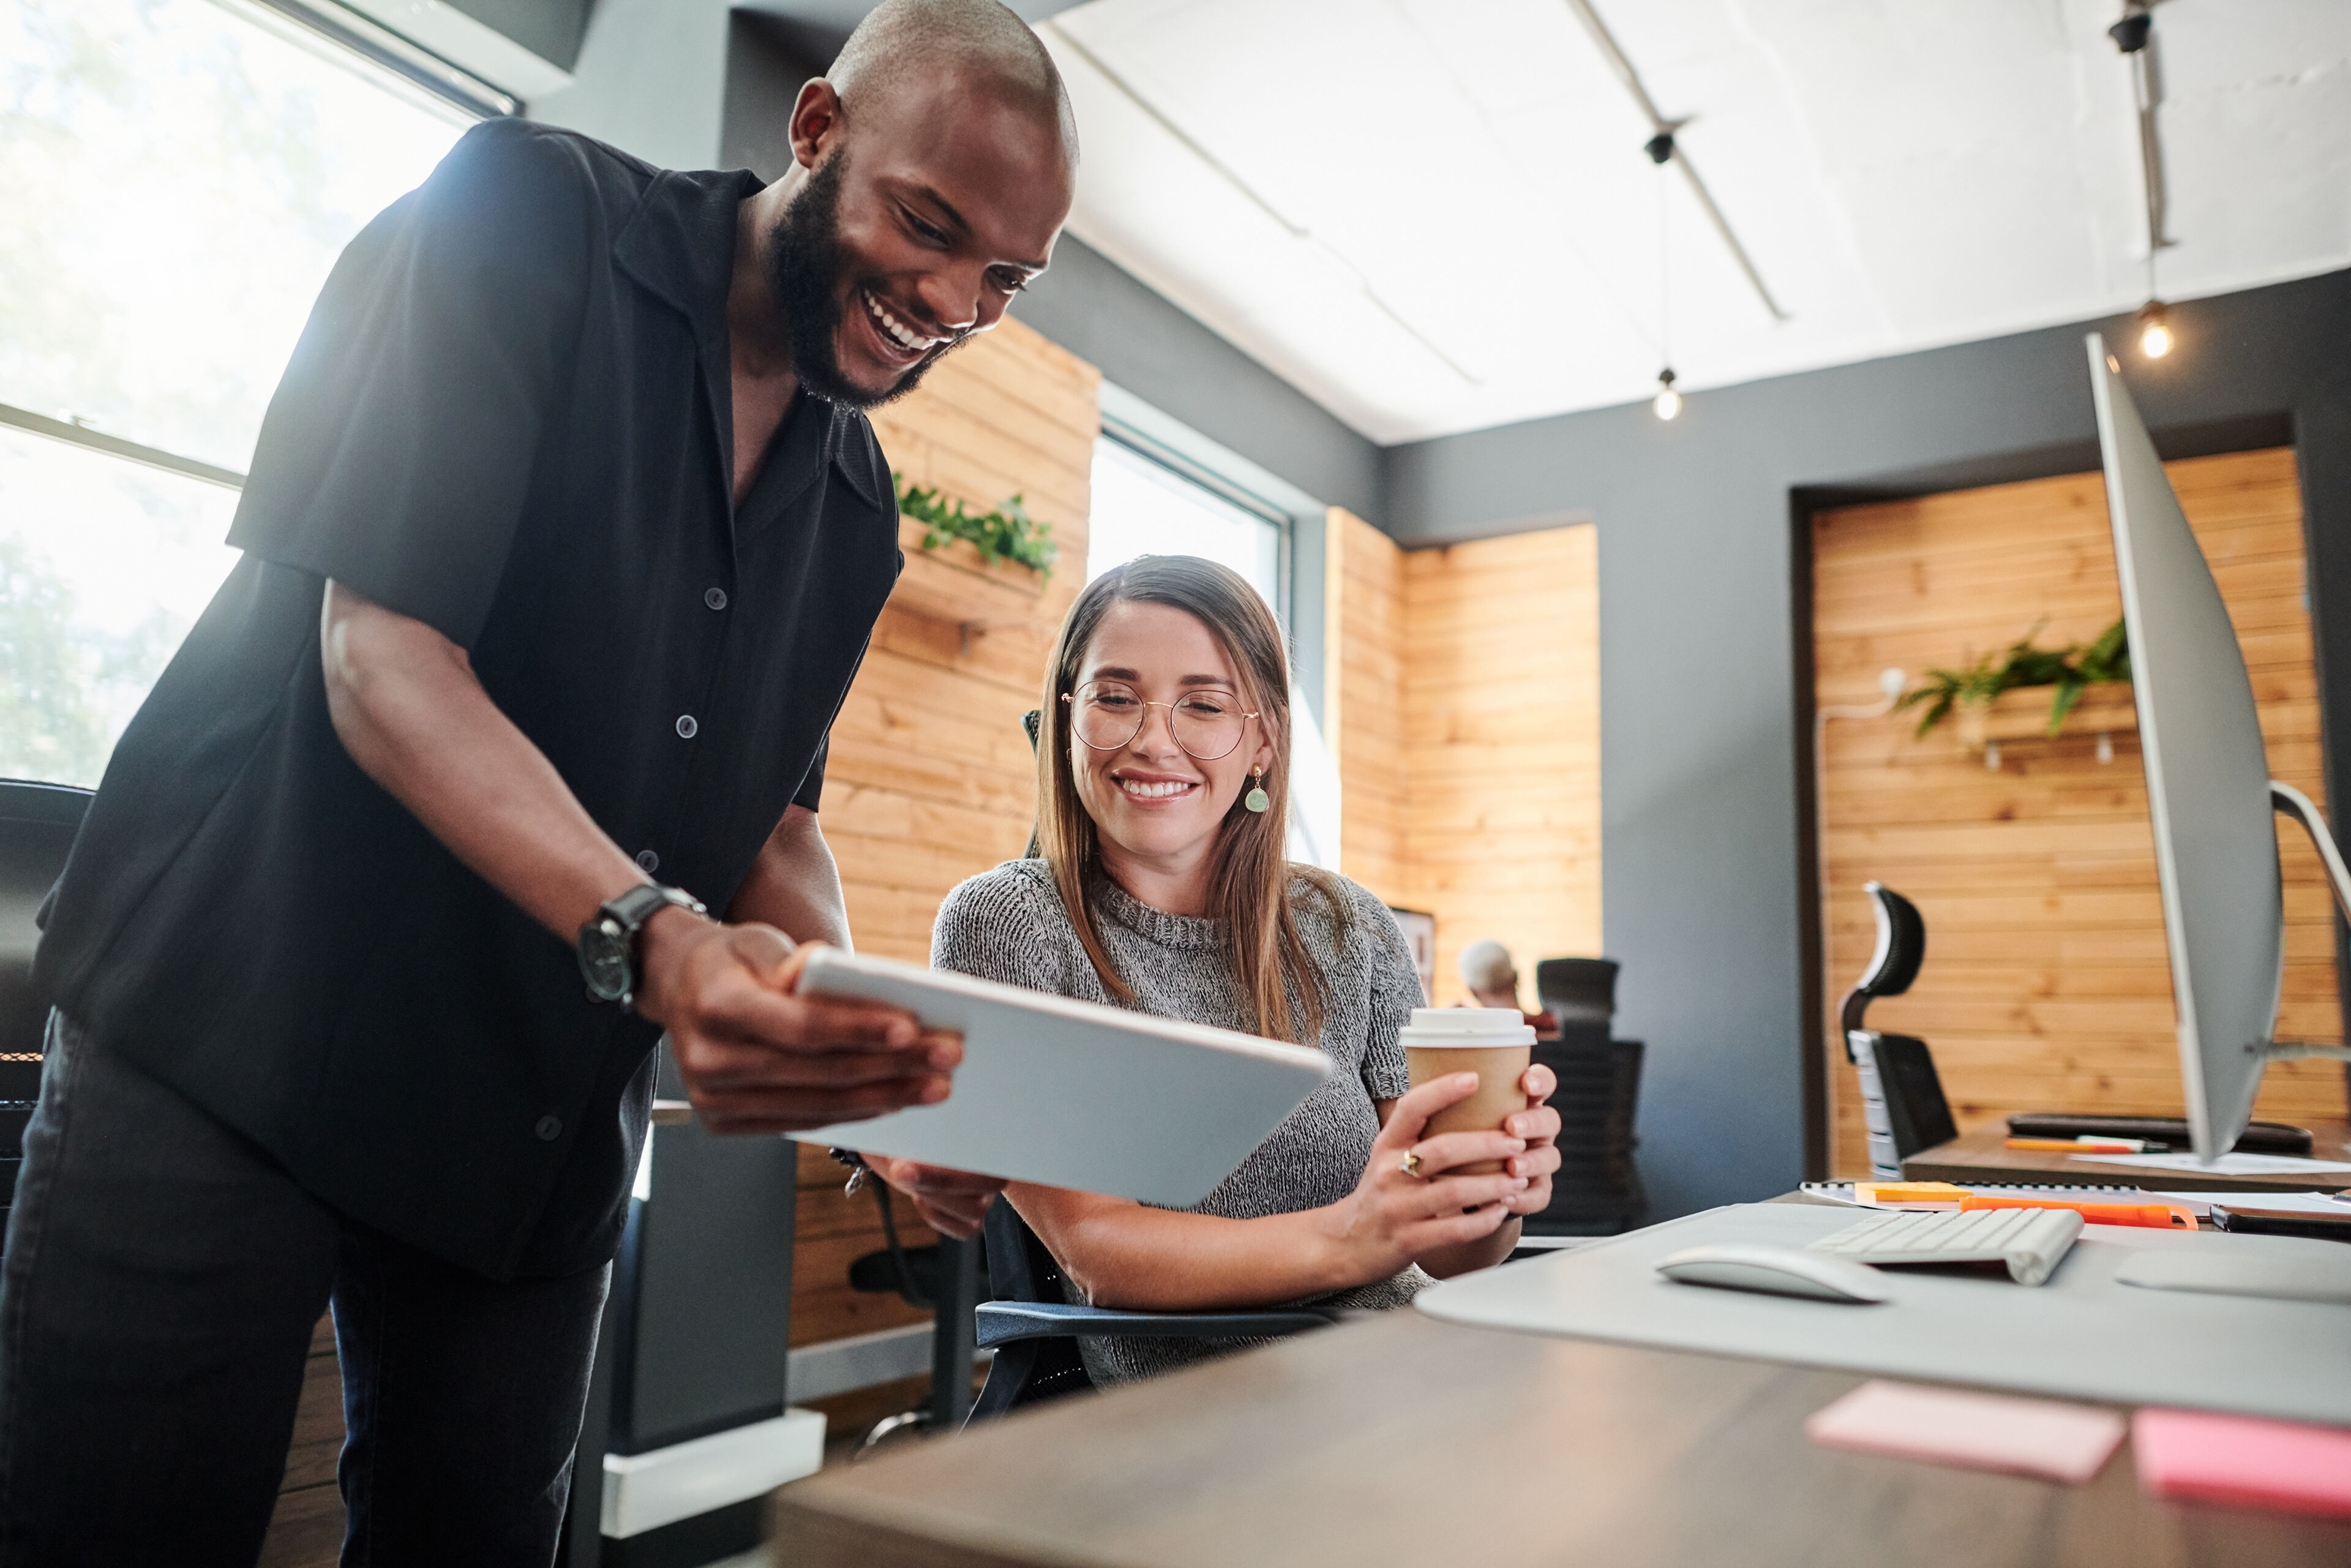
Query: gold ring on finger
(1410,1165)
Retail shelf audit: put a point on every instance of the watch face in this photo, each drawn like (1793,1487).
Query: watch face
(604,959)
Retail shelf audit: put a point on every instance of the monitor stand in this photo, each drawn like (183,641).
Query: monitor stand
(2291,803)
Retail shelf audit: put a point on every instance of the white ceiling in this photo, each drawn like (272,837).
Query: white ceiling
(1435,215)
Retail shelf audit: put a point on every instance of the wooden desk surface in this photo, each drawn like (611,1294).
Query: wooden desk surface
(1403,1441)
(1979,1157)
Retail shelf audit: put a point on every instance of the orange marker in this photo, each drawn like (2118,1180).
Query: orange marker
(2154,1216)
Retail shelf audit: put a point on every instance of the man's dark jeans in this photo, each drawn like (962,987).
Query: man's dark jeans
(161,1279)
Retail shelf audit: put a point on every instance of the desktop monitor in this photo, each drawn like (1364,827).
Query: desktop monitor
(2207,784)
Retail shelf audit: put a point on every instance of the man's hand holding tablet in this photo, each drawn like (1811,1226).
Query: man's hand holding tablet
(758,1057)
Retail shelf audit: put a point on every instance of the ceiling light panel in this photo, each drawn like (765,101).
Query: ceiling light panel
(1464,231)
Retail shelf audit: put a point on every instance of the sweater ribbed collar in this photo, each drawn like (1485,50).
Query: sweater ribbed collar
(1194,933)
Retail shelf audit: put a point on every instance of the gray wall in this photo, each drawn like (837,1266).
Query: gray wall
(1705,711)
(1102,313)
(551,29)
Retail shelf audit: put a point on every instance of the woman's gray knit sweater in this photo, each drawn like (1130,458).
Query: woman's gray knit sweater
(1009,924)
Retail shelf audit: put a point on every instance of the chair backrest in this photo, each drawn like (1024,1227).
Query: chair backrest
(1029,723)
(37,823)
(1020,1267)
(1597,1189)
(1581,993)
(1902,1100)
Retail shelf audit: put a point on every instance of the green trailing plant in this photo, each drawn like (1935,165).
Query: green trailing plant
(2070,669)
(1007,533)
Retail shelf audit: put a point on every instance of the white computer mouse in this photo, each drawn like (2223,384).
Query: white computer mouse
(1776,1271)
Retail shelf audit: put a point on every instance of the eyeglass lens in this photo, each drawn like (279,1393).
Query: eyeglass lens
(1206,724)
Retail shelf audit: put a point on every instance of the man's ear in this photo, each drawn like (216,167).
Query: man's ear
(816,121)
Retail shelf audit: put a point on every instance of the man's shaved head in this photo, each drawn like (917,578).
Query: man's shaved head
(981,40)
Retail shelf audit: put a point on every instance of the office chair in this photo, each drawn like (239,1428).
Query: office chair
(1597,1191)
(37,823)
(1035,1333)
(943,1279)
(1581,994)
(1902,1100)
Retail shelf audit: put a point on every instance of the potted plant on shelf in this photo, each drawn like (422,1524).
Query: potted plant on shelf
(1007,533)
(1970,691)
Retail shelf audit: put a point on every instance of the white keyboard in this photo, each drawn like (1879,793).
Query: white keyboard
(2030,1241)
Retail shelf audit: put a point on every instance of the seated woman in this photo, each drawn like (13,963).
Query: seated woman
(1162,774)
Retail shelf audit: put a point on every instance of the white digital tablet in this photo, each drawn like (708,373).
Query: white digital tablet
(1070,1093)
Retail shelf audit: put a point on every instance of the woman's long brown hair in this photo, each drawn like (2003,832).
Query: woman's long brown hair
(1250,890)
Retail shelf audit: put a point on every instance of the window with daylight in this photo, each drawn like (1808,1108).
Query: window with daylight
(1142,506)
(181,175)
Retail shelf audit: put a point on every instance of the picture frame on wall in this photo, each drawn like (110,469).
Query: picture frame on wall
(1419,928)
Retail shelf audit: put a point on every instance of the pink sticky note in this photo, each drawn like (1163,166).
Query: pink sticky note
(1983,1431)
(2243,1460)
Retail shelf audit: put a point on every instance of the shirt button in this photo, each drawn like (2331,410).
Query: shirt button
(648,862)
(550,1129)
(686,726)
(715,597)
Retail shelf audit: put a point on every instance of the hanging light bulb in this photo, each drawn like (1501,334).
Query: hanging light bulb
(2155,330)
(1668,402)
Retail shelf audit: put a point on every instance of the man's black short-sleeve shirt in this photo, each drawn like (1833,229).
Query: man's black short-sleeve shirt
(509,418)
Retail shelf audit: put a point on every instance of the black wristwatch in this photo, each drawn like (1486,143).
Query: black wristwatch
(608,944)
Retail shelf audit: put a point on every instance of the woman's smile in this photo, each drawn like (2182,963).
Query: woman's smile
(1153,789)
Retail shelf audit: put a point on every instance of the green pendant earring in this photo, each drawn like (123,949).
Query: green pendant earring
(1256,798)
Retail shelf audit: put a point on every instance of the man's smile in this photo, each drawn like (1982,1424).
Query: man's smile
(895,335)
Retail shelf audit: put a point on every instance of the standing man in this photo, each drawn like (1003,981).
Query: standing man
(564,538)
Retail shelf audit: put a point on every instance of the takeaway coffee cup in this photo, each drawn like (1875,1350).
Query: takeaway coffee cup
(1495,1043)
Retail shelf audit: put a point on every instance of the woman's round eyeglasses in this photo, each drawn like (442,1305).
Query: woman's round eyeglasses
(1207,724)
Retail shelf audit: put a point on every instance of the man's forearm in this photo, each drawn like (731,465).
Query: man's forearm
(794,886)
(409,709)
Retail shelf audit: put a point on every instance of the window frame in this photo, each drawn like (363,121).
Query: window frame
(371,52)
(1182,465)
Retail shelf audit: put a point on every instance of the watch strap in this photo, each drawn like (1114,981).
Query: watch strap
(640,904)
(624,916)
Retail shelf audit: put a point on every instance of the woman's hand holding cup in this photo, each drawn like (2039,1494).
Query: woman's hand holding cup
(1538,1126)
(1397,1214)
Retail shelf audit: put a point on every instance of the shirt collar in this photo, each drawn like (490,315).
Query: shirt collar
(679,245)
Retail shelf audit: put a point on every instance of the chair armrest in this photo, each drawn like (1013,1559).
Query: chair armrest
(1003,1322)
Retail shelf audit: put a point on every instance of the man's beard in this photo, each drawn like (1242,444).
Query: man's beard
(804,271)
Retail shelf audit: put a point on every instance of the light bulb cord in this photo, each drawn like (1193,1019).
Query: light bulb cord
(1664,274)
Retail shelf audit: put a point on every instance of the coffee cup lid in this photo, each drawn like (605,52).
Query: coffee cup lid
(1467,1028)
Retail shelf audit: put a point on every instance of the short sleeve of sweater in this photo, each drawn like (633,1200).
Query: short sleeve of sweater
(995,927)
(1395,991)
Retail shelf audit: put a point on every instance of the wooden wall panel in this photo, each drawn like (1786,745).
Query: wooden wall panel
(1463,707)
(930,778)
(2047,983)
(1501,718)
(1363,664)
